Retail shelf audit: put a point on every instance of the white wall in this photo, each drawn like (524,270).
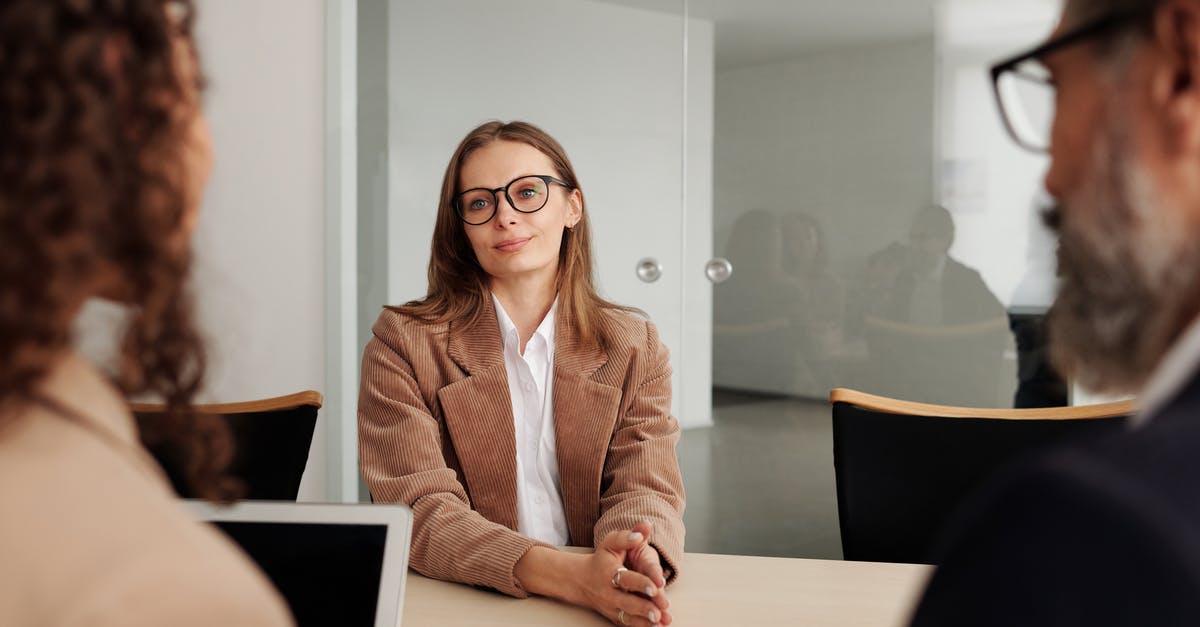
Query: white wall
(608,82)
(260,243)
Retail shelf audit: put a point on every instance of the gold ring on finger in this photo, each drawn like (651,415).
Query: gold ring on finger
(621,616)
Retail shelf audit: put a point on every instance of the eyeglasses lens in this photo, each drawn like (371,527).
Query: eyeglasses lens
(1028,99)
(528,194)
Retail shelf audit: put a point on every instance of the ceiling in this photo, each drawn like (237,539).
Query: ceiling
(751,32)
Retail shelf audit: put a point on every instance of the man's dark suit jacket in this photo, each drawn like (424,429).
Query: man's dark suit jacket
(1103,533)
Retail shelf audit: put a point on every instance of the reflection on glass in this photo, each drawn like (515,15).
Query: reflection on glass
(778,321)
(915,323)
(934,331)
(806,263)
(757,322)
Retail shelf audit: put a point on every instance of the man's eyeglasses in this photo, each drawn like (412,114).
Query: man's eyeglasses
(1024,91)
(527,194)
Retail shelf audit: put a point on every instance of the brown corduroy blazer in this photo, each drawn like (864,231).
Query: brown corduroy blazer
(436,433)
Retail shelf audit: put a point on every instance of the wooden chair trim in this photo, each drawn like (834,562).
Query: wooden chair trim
(753,328)
(909,408)
(966,329)
(291,401)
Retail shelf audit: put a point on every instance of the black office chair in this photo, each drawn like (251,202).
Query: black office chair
(271,439)
(902,468)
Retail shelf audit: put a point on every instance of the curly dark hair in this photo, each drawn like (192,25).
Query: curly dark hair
(93,180)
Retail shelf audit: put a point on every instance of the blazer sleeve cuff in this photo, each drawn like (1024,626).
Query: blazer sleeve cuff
(669,554)
(509,549)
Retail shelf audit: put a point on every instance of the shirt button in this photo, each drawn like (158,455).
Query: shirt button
(539,499)
(528,387)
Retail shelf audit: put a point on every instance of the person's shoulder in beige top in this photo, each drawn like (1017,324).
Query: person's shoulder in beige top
(91,533)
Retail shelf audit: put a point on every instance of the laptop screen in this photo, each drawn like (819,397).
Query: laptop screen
(329,573)
(335,564)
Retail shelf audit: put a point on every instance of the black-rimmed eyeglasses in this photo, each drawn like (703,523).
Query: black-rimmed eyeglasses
(1024,90)
(526,194)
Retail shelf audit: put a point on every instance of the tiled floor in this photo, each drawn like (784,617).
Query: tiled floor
(760,481)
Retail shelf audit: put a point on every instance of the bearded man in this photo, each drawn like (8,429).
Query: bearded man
(1108,532)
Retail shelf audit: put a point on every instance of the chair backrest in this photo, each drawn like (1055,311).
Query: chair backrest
(902,468)
(271,438)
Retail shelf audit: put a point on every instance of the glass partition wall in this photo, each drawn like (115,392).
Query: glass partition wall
(882,236)
(801,196)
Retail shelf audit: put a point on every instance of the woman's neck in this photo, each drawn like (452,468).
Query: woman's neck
(526,302)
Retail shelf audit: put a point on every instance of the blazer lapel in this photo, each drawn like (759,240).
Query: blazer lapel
(585,412)
(478,415)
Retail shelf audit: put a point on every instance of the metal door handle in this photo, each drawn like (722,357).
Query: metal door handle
(649,270)
(718,270)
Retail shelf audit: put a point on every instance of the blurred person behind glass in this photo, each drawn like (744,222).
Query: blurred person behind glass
(806,261)
(1107,532)
(930,287)
(758,332)
(934,330)
(103,156)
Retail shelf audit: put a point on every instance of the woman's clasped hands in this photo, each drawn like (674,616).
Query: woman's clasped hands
(622,580)
(625,580)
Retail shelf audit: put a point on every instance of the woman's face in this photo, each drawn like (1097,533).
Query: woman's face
(514,245)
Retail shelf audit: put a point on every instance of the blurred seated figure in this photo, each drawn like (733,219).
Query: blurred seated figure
(934,331)
(823,302)
(757,314)
(928,287)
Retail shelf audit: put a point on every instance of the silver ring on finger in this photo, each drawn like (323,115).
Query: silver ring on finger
(616,578)
(621,616)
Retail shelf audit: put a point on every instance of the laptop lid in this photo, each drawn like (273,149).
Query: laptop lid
(334,564)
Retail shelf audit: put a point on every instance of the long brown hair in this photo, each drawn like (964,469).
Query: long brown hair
(93,185)
(458,284)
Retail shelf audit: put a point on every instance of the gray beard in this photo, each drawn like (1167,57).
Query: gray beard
(1129,274)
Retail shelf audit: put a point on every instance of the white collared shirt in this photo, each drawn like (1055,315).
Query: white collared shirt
(540,512)
(1173,373)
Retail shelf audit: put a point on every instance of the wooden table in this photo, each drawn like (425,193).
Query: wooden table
(712,590)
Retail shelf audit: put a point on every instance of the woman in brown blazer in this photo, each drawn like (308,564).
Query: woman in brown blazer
(103,154)
(514,409)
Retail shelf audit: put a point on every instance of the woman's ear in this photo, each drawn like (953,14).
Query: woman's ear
(574,208)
